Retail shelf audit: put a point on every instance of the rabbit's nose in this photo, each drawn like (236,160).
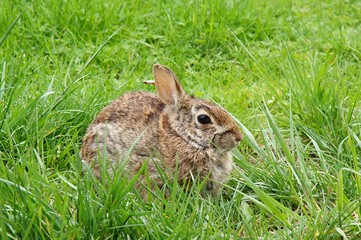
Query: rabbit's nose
(239,136)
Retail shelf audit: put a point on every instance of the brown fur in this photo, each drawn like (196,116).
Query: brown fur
(166,132)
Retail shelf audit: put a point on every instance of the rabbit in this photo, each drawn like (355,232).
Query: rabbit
(172,131)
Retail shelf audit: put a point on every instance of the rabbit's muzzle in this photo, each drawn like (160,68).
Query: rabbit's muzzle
(227,140)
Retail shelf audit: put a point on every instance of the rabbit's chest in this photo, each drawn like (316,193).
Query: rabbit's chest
(221,166)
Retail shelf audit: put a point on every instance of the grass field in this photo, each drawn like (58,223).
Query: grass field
(288,71)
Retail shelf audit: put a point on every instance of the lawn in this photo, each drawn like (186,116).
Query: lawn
(288,71)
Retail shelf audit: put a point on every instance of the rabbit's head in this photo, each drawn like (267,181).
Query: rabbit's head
(201,123)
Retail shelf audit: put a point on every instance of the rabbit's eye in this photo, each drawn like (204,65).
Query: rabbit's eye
(204,119)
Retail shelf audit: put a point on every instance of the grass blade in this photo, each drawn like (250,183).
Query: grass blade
(13,24)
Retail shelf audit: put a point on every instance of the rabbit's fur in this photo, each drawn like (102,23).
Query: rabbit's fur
(165,132)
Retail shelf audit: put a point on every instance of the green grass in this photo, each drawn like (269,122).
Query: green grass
(289,72)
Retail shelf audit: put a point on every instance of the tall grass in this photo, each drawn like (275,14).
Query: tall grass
(289,72)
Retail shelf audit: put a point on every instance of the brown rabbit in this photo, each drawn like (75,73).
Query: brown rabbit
(164,131)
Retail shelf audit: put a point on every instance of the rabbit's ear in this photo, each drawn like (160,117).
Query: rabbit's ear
(167,85)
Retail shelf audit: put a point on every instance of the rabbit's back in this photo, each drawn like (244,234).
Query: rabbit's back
(129,122)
